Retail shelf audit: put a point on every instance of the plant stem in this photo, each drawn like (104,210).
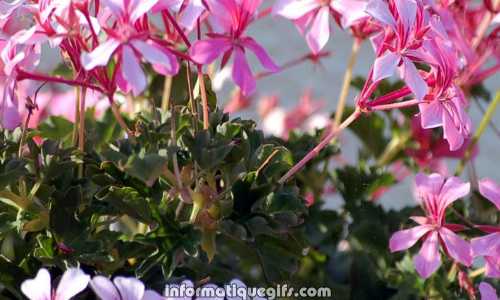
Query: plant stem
(77,116)
(121,122)
(344,92)
(403,104)
(479,132)
(204,99)
(81,135)
(167,90)
(326,140)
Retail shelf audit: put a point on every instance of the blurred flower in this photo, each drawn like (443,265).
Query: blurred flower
(490,190)
(122,288)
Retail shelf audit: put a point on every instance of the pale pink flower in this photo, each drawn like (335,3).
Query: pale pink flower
(189,10)
(122,288)
(487,291)
(398,46)
(490,190)
(232,18)
(72,282)
(131,42)
(312,17)
(435,193)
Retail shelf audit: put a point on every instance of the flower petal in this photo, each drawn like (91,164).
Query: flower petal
(132,72)
(104,288)
(100,55)
(385,65)
(428,260)
(138,8)
(351,11)
(206,51)
(380,11)
(431,114)
(457,248)
(38,288)
(191,14)
(261,54)
(294,9)
(487,291)
(453,189)
(242,75)
(319,34)
(116,6)
(407,11)
(490,190)
(413,79)
(130,288)
(404,239)
(72,282)
(451,133)
(164,62)
(152,295)
(485,245)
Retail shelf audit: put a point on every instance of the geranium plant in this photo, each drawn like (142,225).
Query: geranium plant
(123,175)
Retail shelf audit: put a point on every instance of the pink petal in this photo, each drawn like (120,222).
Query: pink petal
(162,61)
(351,11)
(206,51)
(174,5)
(490,190)
(242,75)
(294,9)
(407,11)
(451,133)
(413,79)
(116,6)
(152,295)
(431,114)
(492,265)
(427,185)
(319,34)
(457,248)
(261,54)
(380,11)
(9,108)
(38,288)
(405,239)
(99,56)
(485,245)
(138,8)
(132,72)
(453,189)
(487,291)
(191,14)
(104,288)
(72,282)
(130,288)
(385,65)
(428,260)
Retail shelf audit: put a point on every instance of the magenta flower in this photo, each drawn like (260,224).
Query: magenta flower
(312,17)
(445,104)
(189,10)
(490,190)
(399,45)
(72,282)
(131,42)
(232,17)
(435,193)
(122,288)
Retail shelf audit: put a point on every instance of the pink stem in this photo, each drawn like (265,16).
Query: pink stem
(326,140)
(395,105)
(405,91)
(23,75)
(177,28)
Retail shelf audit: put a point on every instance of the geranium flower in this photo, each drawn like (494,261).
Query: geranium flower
(189,10)
(488,247)
(399,44)
(435,193)
(232,17)
(487,291)
(122,288)
(130,41)
(72,282)
(312,17)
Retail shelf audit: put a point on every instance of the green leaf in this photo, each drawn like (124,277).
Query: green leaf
(147,168)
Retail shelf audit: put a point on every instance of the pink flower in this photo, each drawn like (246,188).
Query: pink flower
(488,246)
(399,44)
(487,291)
(189,10)
(490,190)
(445,104)
(313,17)
(233,17)
(435,193)
(131,42)
(72,282)
(128,288)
